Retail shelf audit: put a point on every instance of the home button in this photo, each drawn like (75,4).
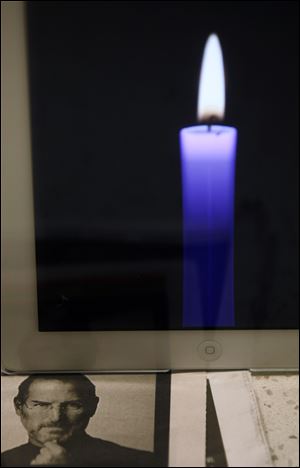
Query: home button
(209,350)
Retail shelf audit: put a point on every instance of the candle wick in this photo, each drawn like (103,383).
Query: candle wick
(210,122)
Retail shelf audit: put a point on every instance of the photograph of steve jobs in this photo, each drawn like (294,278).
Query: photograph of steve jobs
(55,411)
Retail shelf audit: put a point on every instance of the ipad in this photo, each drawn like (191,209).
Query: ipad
(103,266)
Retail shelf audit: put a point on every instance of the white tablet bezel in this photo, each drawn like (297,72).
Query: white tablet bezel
(24,348)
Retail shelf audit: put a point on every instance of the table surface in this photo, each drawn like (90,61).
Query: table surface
(278,401)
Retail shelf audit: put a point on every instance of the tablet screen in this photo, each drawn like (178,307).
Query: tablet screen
(111,86)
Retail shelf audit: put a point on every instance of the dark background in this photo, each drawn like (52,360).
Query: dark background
(111,85)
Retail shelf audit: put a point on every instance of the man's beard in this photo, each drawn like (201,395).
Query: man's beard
(58,433)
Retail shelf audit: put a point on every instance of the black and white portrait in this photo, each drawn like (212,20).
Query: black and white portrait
(78,420)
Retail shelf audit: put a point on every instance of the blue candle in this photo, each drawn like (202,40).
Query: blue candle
(208,172)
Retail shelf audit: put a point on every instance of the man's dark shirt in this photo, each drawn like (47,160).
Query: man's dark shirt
(85,451)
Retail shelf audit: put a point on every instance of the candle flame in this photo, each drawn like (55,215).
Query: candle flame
(211,95)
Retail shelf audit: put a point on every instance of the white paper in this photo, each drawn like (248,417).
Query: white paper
(239,419)
(187,419)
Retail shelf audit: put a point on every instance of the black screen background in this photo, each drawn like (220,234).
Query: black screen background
(111,84)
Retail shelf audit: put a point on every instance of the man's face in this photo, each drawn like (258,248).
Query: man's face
(53,411)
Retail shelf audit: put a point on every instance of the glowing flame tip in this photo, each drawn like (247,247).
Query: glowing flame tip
(211,95)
